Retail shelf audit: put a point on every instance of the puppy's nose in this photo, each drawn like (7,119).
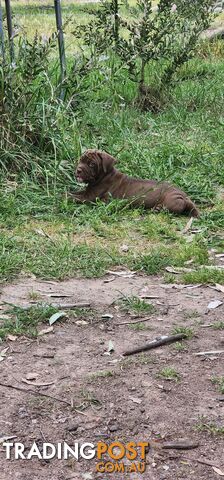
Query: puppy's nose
(79,170)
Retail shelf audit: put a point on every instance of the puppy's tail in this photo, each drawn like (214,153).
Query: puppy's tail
(191,209)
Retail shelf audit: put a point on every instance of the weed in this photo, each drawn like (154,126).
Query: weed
(135,305)
(219,325)
(32,295)
(25,321)
(220,382)
(102,374)
(210,427)
(89,399)
(189,332)
(179,346)
(138,327)
(169,373)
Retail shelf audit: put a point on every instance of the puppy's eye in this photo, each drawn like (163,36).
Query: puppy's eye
(92,164)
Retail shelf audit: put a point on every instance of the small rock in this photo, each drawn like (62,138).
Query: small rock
(73,427)
(113,428)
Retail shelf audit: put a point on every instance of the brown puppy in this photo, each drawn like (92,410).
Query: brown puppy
(96,169)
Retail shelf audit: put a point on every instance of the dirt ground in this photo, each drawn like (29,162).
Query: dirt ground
(124,398)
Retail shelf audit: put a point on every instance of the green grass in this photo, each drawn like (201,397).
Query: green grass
(135,305)
(43,232)
(219,325)
(189,332)
(220,382)
(137,327)
(179,347)
(169,373)
(211,428)
(25,321)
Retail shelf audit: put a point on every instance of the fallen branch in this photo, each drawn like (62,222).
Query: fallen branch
(33,392)
(180,445)
(210,463)
(158,342)
(213,352)
(71,305)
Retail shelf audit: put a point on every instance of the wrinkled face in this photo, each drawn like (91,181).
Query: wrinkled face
(94,165)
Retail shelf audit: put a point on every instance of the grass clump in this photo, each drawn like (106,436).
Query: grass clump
(25,321)
(169,373)
(219,325)
(220,382)
(211,428)
(187,331)
(136,306)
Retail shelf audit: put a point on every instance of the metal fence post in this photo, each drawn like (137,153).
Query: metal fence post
(2,49)
(61,45)
(9,26)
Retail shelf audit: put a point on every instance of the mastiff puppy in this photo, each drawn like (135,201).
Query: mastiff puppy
(96,169)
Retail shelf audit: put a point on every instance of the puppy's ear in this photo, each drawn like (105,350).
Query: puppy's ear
(107,161)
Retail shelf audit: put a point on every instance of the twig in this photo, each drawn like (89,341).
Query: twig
(210,463)
(208,325)
(137,321)
(205,461)
(157,343)
(180,445)
(33,392)
(213,352)
(71,305)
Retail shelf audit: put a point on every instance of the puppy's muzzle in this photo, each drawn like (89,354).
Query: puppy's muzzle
(79,175)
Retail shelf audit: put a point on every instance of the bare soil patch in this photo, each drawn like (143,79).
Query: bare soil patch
(124,398)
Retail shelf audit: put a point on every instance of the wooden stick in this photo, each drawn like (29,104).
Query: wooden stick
(136,321)
(33,392)
(212,352)
(158,342)
(180,445)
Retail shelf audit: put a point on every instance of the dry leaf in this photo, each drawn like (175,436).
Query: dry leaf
(136,400)
(37,384)
(110,279)
(12,338)
(32,376)
(57,295)
(107,316)
(213,352)
(220,288)
(218,471)
(41,232)
(45,331)
(179,270)
(81,322)
(187,226)
(214,304)
(110,346)
(56,317)
(123,273)
(124,248)
(3,354)
(87,476)
(6,438)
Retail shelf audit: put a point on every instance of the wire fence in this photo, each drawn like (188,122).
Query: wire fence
(59,27)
